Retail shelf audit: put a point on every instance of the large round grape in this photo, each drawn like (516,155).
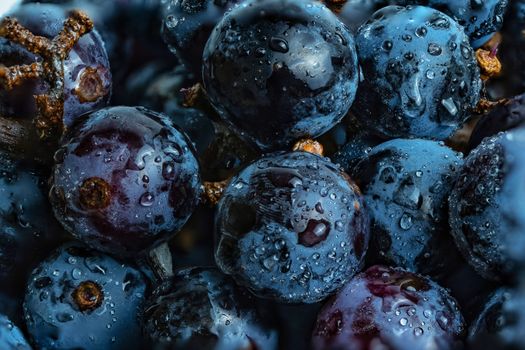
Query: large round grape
(79,298)
(279,70)
(125,180)
(291,227)
(389,308)
(420,76)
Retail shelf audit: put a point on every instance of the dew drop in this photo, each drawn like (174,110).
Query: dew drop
(76,274)
(421,32)
(279,45)
(387,45)
(146,200)
(406,221)
(434,49)
(443,322)
(450,106)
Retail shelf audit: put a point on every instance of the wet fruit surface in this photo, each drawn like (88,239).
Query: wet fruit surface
(355,150)
(278,149)
(406,184)
(280,70)
(187,25)
(11,338)
(125,180)
(291,227)
(28,231)
(200,308)
(480,18)
(420,77)
(81,299)
(389,308)
(486,204)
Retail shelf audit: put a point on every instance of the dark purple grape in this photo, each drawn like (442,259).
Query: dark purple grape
(87,76)
(125,180)
(291,227)
(28,230)
(420,77)
(82,299)
(130,29)
(406,184)
(486,206)
(389,308)
(200,308)
(280,70)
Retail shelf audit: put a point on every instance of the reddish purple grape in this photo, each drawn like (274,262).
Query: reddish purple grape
(125,180)
(389,308)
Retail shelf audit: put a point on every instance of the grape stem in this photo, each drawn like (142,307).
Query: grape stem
(212,191)
(197,98)
(50,106)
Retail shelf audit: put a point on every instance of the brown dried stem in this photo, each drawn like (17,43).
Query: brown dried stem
(15,32)
(485,106)
(197,98)
(212,191)
(10,77)
(53,52)
(310,146)
(489,64)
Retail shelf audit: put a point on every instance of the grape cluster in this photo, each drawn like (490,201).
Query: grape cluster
(262,174)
